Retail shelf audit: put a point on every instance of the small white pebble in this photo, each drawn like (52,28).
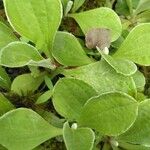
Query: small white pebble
(106,50)
(114,143)
(74,126)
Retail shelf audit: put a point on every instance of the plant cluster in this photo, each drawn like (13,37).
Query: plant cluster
(75,76)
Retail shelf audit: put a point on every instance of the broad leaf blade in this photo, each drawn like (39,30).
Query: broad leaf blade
(103,78)
(18,54)
(5,105)
(23,129)
(110,113)
(68,51)
(101,18)
(139,133)
(35,20)
(136,45)
(70,95)
(6,35)
(26,83)
(78,139)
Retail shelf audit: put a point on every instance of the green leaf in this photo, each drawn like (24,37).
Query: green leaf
(69,97)
(35,20)
(78,139)
(68,51)
(18,54)
(139,133)
(6,35)
(64,2)
(23,129)
(101,18)
(48,82)
(44,97)
(77,4)
(103,78)
(122,8)
(121,66)
(26,83)
(144,17)
(5,105)
(136,45)
(110,113)
(129,146)
(5,82)
(139,80)
(143,6)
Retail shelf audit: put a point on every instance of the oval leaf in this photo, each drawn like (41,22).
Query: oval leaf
(6,35)
(101,18)
(139,133)
(25,129)
(25,84)
(103,78)
(35,20)
(18,54)
(136,45)
(70,95)
(110,113)
(78,139)
(68,51)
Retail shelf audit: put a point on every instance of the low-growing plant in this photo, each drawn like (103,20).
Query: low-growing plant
(83,88)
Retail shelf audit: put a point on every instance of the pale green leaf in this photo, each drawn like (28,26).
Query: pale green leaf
(144,17)
(48,82)
(25,84)
(78,139)
(143,6)
(101,18)
(110,113)
(44,97)
(121,66)
(139,80)
(129,146)
(5,82)
(103,78)
(5,105)
(68,51)
(23,129)
(18,54)
(6,35)
(77,4)
(139,133)
(136,45)
(35,20)
(69,97)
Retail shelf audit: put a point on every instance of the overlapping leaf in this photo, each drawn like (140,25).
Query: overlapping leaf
(68,51)
(23,129)
(136,46)
(36,20)
(78,139)
(103,78)
(70,95)
(110,113)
